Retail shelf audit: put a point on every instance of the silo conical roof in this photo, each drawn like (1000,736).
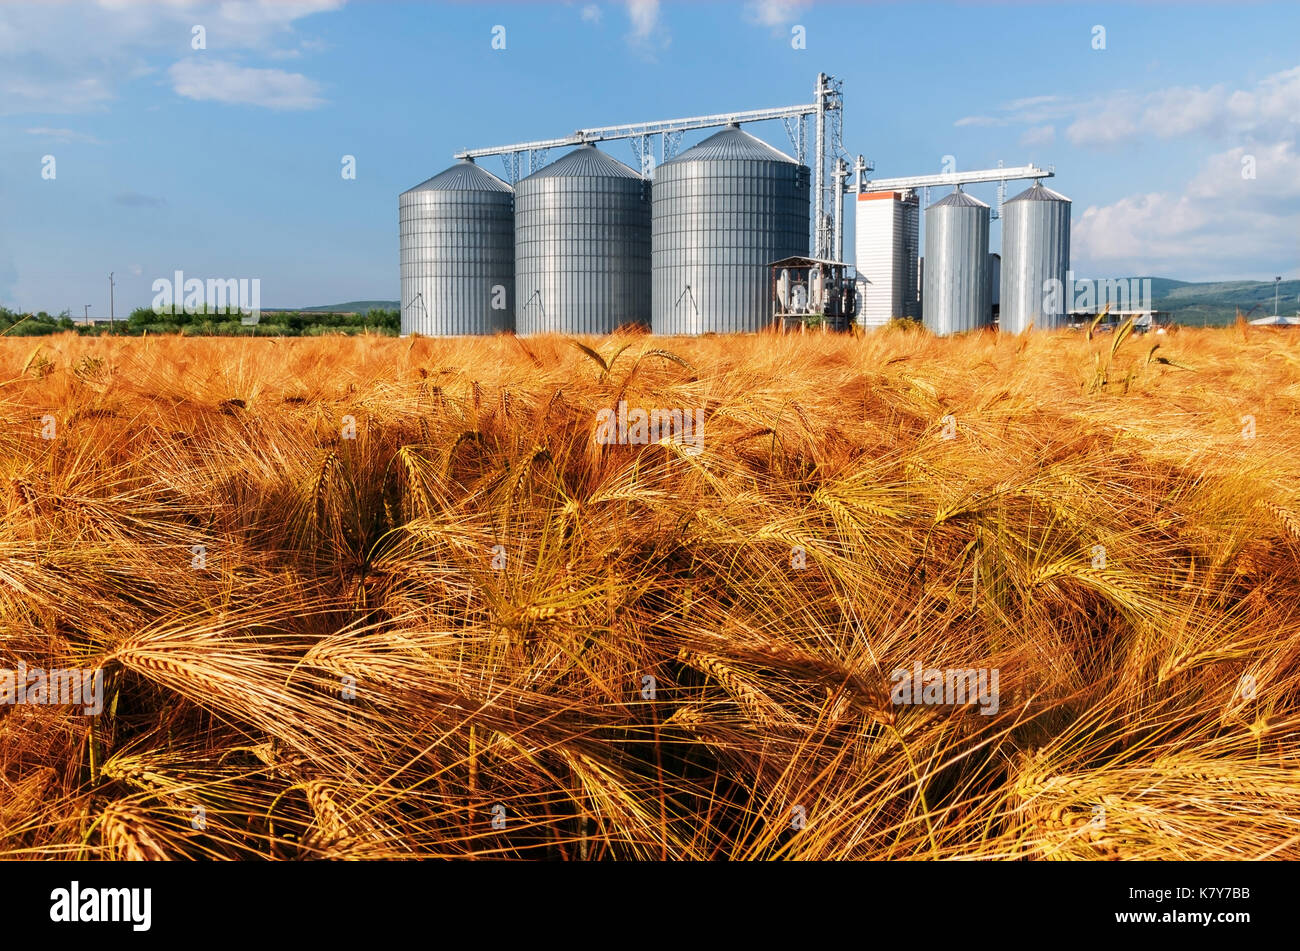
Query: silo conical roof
(958,199)
(1037,192)
(732,143)
(464,176)
(586,161)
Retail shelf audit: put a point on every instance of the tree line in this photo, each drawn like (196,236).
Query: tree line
(205,322)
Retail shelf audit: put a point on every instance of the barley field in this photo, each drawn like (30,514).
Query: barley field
(375,598)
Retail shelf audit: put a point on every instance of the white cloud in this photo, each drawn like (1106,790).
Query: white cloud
(1027,110)
(1039,135)
(1268,109)
(647,35)
(258,14)
(591,13)
(644,16)
(52,93)
(64,136)
(225,82)
(1031,102)
(774,13)
(1263,173)
(1219,224)
(1238,214)
(304,47)
(1170,113)
(1109,128)
(44,69)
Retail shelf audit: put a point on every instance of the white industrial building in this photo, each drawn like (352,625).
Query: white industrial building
(885,235)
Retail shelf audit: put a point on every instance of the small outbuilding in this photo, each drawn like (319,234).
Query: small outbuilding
(812,292)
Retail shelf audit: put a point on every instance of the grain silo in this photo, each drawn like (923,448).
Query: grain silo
(723,211)
(582,246)
(1035,251)
(957,290)
(457,241)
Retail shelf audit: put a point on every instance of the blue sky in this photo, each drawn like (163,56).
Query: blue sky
(225,161)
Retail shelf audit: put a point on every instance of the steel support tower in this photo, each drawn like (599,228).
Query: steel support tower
(827,111)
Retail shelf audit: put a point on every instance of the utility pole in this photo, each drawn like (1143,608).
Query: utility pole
(1277,282)
(87,308)
(110,302)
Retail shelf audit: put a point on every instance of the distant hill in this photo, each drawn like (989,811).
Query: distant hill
(1221,299)
(351,307)
(1216,302)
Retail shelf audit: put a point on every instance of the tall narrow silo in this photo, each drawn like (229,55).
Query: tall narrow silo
(457,240)
(1035,251)
(582,246)
(723,211)
(957,293)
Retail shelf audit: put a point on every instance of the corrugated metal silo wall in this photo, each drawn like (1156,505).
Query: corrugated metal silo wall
(1035,249)
(956,268)
(582,254)
(457,260)
(718,223)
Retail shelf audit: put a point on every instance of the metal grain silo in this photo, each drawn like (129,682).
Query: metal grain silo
(582,246)
(723,211)
(457,239)
(1035,250)
(957,290)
